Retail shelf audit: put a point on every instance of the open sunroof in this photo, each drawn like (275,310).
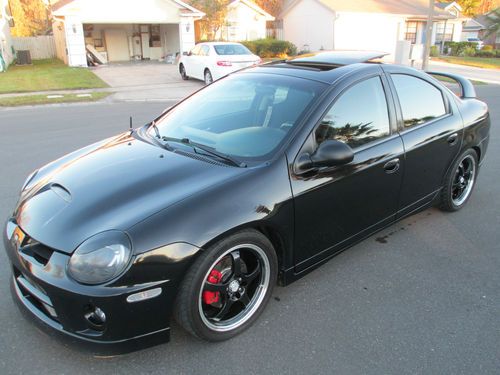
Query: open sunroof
(337,58)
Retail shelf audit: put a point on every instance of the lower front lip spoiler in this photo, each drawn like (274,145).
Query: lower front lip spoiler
(53,328)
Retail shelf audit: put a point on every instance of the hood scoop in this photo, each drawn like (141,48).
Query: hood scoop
(61,191)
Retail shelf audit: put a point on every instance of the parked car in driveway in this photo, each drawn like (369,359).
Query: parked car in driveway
(253,181)
(478,42)
(211,61)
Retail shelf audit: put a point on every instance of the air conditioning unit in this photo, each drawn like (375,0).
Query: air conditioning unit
(23,57)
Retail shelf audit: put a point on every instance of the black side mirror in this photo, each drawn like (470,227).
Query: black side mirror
(186,53)
(330,153)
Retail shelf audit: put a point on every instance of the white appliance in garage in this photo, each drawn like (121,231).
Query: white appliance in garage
(117,45)
(145,41)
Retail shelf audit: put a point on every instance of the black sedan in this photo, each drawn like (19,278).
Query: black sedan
(253,181)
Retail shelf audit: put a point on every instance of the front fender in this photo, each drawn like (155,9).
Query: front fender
(262,196)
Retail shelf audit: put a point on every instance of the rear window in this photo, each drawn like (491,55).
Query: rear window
(231,49)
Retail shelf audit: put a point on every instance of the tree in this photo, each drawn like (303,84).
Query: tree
(30,17)
(273,7)
(493,22)
(215,16)
(470,8)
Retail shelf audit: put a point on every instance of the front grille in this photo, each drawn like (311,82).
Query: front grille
(35,294)
(38,252)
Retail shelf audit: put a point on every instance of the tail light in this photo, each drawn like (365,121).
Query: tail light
(224,63)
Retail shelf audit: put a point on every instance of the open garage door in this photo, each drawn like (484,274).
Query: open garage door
(117,45)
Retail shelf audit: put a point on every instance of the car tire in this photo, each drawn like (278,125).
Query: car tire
(459,182)
(208,77)
(244,288)
(182,71)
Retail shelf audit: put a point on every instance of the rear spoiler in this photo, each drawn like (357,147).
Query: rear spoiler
(466,87)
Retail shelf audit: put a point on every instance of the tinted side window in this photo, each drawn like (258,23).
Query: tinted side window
(420,101)
(359,116)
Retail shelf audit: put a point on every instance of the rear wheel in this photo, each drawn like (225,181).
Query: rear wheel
(182,70)
(460,182)
(208,77)
(227,287)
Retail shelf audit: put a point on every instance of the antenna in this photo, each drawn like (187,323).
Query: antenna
(130,122)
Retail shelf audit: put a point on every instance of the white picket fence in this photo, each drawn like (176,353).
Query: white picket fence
(40,47)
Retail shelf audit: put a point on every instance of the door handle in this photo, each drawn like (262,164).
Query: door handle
(452,139)
(392,166)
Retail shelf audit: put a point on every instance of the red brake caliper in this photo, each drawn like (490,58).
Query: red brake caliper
(212,297)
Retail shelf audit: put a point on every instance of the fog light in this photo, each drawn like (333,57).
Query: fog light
(141,296)
(96,317)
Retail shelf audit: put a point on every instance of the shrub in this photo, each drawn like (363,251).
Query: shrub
(484,53)
(487,48)
(469,51)
(458,48)
(271,47)
(434,51)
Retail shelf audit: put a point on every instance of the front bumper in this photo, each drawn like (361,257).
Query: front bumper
(41,288)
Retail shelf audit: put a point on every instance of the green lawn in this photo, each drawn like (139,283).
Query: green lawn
(50,74)
(15,101)
(479,62)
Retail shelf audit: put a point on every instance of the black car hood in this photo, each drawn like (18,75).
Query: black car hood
(113,184)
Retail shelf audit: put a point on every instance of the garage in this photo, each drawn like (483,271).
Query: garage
(123,30)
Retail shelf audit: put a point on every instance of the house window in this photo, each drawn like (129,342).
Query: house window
(444,32)
(411,31)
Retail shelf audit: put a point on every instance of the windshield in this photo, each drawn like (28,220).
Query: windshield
(231,49)
(245,115)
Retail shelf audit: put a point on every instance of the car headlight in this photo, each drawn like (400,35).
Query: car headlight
(101,258)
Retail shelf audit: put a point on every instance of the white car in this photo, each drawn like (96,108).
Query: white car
(479,43)
(213,60)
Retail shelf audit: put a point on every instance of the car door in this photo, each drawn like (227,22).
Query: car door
(204,60)
(431,128)
(335,206)
(192,62)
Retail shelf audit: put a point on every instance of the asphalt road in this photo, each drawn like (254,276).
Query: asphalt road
(424,301)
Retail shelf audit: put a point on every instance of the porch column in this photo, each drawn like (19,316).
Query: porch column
(186,34)
(75,42)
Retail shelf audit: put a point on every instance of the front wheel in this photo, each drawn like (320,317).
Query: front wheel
(227,287)
(182,71)
(460,182)
(208,77)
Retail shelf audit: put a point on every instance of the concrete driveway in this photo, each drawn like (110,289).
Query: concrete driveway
(146,80)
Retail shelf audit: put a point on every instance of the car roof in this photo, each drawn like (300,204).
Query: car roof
(339,57)
(219,43)
(325,66)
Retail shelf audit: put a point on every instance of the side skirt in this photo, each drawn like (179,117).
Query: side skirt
(290,275)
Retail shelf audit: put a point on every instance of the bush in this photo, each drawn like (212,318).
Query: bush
(458,48)
(487,48)
(271,47)
(434,51)
(469,51)
(484,53)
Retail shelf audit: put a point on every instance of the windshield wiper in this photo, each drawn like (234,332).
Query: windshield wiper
(157,131)
(206,149)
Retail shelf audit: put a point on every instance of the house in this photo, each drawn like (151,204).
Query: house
(6,48)
(245,20)
(122,30)
(471,29)
(366,24)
